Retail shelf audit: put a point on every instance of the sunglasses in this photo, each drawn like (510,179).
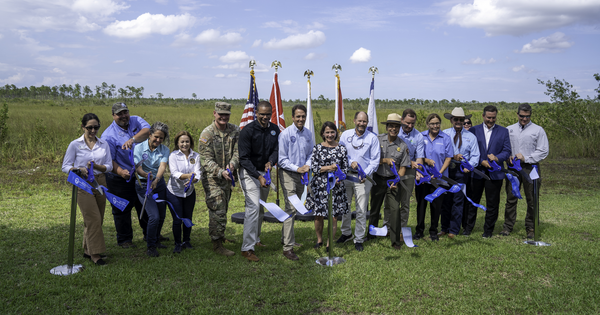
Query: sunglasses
(458,119)
(90,128)
(524,116)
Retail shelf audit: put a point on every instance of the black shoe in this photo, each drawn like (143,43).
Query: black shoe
(160,245)
(371,237)
(187,245)
(344,238)
(152,252)
(417,236)
(466,233)
(318,245)
(486,235)
(178,248)
(100,262)
(327,249)
(86,256)
(162,238)
(434,237)
(359,247)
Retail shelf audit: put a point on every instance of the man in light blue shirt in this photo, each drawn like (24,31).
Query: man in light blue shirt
(295,151)
(363,149)
(124,132)
(465,148)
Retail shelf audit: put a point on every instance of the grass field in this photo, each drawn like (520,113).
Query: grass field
(468,275)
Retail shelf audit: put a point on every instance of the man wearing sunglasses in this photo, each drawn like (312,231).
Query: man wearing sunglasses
(530,145)
(121,136)
(465,148)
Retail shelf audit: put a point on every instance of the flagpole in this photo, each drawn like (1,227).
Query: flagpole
(310,125)
(276,64)
(371,112)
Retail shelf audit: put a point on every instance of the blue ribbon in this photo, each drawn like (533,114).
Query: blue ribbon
(188,185)
(116,201)
(304,179)
(495,166)
(361,173)
(514,182)
(268,177)
(187,222)
(454,189)
(79,182)
(233,179)
(396,179)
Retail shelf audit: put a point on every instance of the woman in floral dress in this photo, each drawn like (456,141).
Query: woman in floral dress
(326,156)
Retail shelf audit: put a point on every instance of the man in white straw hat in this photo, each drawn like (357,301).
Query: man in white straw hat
(392,150)
(465,148)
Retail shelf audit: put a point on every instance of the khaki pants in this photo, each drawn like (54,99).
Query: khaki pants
(253,218)
(361,191)
(92,210)
(290,185)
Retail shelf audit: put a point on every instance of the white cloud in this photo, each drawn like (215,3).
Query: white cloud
(234,56)
(361,55)
(30,43)
(232,75)
(233,66)
(299,41)
(119,61)
(256,43)
(478,61)
(147,24)
(214,37)
(518,68)
(13,79)
(360,16)
(98,7)
(60,61)
(286,82)
(554,43)
(220,75)
(57,70)
(517,17)
(314,56)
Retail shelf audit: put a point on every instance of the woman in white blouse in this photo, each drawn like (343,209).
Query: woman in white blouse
(80,153)
(183,163)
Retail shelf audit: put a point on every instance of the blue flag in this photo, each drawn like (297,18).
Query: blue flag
(116,201)
(79,182)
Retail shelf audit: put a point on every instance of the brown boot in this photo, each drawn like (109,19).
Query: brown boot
(219,249)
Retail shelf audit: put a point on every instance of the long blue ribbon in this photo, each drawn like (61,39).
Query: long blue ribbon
(454,189)
(514,182)
(79,182)
(187,222)
(188,185)
(233,179)
(116,201)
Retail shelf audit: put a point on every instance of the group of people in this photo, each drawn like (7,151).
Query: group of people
(131,158)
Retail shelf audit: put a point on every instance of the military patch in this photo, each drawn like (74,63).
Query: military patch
(203,140)
(272,132)
(192,161)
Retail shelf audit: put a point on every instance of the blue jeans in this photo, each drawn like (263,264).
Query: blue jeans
(121,188)
(156,211)
(184,207)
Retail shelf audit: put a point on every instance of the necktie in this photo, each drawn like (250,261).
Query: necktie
(458,138)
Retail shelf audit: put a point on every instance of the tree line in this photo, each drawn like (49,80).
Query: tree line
(103,91)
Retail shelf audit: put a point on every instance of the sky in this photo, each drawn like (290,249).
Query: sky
(484,50)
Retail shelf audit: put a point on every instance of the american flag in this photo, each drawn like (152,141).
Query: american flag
(249,114)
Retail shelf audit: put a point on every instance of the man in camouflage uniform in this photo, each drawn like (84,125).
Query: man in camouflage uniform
(218,148)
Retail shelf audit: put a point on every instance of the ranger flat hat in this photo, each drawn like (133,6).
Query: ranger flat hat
(119,107)
(393,118)
(456,112)
(223,108)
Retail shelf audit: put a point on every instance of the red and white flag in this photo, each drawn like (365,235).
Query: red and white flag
(340,118)
(275,100)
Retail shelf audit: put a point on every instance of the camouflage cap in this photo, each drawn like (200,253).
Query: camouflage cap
(223,108)
(119,107)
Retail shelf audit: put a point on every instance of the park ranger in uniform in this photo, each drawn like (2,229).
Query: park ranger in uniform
(218,148)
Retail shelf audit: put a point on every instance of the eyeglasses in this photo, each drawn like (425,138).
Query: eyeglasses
(90,128)
(524,116)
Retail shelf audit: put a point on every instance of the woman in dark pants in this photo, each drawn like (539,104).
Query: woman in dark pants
(183,163)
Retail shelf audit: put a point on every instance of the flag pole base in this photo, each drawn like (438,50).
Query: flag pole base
(326,261)
(536,243)
(66,270)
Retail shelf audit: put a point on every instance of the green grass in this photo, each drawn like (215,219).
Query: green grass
(468,275)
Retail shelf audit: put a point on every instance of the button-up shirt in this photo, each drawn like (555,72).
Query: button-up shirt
(396,150)
(116,136)
(295,148)
(531,141)
(179,164)
(257,146)
(79,154)
(362,149)
(414,141)
(439,149)
(159,155)
(469,148)
(487,132)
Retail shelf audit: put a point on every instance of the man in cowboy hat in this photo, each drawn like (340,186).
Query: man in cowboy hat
(465,148)
(392,150)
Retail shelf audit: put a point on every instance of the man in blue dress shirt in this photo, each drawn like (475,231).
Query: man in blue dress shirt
(465,148)
(295,151)
(124,132)
(363,149)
